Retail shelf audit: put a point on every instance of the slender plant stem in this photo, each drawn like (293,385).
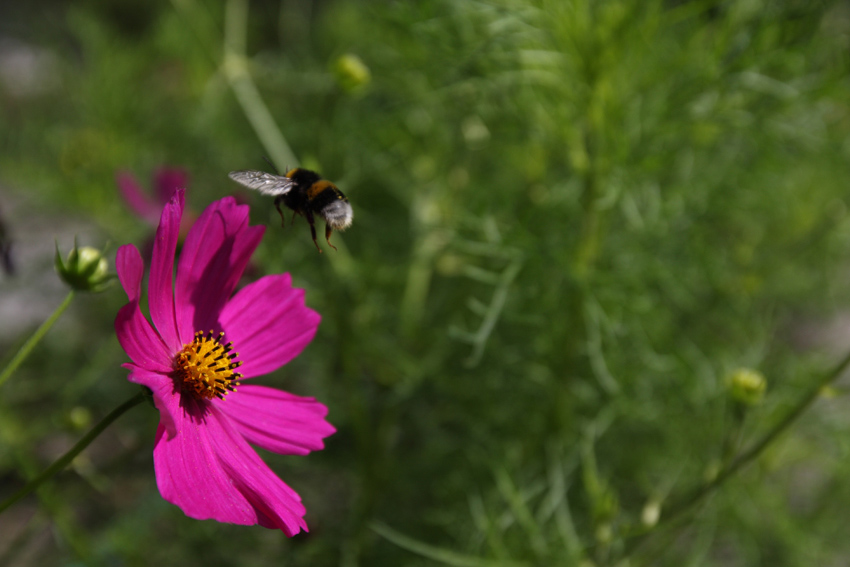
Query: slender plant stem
(65,459)
(25,350)
(680,507)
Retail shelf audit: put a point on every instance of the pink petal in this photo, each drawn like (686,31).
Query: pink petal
(168,180)
(217,249)
(131,269)
(210,472)
(138,202)
(165,395)
(268,324)
(140,341)
(277,421)
(160,298)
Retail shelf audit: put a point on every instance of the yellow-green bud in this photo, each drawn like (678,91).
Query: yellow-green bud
(747,386)
(711,471)
(651,513)
(604,533)
(85,269)
(351,72)
(79,418)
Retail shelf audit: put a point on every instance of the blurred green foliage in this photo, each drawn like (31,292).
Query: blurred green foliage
(573,220)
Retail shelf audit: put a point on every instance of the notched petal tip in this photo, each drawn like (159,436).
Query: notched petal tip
(210,472)
(278,421)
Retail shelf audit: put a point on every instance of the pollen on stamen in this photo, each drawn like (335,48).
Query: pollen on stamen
(205,367)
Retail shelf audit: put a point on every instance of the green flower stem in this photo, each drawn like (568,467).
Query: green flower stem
(679,508)
(65,459)
(34,339)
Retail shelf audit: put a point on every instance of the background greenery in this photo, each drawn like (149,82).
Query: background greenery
(573,221)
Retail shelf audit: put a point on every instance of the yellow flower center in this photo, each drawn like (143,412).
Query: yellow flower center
(205,367)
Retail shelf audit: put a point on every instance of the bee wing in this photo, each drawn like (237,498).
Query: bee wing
(265,183)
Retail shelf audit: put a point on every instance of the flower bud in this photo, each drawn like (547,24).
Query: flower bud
(747,386)
(604,533)
(351,73)
(651,513)
(85,269)
(79,418)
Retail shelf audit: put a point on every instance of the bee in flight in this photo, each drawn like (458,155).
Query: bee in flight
(306,193)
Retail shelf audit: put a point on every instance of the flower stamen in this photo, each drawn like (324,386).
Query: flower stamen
(205,367)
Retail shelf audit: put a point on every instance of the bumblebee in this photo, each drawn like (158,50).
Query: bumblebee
(306,193)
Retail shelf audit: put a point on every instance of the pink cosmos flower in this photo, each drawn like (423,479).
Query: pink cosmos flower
(201,335)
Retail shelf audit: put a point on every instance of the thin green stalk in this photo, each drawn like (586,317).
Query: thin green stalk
(677,509)
(65,459)
(25,350)
(439,554)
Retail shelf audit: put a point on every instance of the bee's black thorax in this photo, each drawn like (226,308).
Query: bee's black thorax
(297,199)
(303,178)
(311,194)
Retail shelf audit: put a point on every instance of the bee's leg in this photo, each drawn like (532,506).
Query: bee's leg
(328,232)
(277,203)
(310,220)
